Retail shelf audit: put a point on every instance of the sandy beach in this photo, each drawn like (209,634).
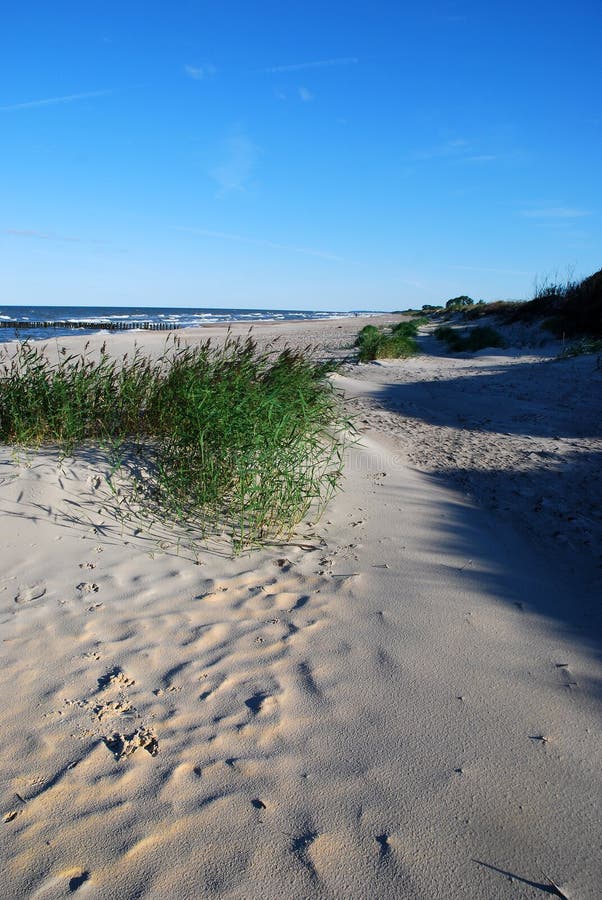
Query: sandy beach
(404,702)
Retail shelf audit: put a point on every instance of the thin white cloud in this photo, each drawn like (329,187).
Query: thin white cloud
(555,212)
(418,285)
(455,151)
(53,101)
(236,170)
(453,148)
(481,157)
(317,64)
(200,73)
(38,235)
(45,236)
(494,271)
(258,242)
(305,95)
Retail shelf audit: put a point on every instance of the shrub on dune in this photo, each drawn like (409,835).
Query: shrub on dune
(397,343)
(479,338)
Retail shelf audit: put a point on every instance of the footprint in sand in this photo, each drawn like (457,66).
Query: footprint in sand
(113,709)
(383,844)
(76,881)
(300,847)
(87,587)
(115,678)
(30,593)
(255,702)
(123,746)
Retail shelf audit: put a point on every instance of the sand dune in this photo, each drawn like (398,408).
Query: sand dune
(404,703)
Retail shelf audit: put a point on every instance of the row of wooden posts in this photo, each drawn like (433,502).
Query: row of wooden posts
(105,326)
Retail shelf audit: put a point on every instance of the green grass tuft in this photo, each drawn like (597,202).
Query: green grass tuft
(230,436)
(582,347)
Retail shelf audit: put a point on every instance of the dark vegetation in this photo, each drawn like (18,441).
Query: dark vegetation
(477,338)
(227,437)
(501,308)
(457,304)
(573,308)
(569,309)
(583,345)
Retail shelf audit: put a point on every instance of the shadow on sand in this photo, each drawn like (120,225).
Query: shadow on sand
(557,578)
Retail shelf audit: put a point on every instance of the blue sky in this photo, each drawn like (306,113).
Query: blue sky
(332,155)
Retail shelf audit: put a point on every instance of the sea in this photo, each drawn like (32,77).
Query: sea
(63,320)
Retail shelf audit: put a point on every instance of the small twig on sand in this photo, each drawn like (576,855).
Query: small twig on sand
(557,890)
(290,544)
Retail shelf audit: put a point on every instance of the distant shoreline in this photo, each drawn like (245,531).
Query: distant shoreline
(40,322)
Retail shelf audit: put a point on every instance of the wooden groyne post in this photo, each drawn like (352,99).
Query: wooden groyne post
(99,326)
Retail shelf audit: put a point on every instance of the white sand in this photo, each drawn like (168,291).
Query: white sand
(409,710)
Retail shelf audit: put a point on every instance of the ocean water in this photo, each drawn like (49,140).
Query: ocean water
(96,316)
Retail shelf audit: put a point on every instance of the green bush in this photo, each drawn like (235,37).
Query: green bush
(367,341)
(398,343)
(446,333)
(396,347)
(367,333)
(405,329)
(458,303)
(483,336)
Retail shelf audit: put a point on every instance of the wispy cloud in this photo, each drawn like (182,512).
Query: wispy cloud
(45,236)
(305,95)
(451,148)
(53,101)
(258,242)
(457,150)
(236,170)
(418,285)
(316,64)
(200,73)
(481,157)
(492,270)
(555,212)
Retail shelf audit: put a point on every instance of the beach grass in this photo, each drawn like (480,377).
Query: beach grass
(396,343)
(229,437)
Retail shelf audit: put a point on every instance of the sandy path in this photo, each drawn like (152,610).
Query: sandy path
(411,709)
